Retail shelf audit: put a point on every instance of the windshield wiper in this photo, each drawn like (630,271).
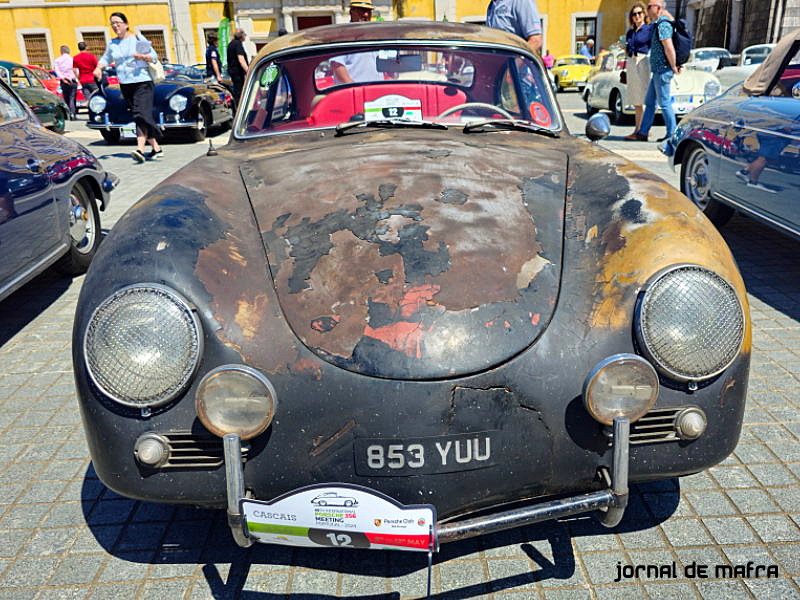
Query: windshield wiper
(341,128)
(514,124)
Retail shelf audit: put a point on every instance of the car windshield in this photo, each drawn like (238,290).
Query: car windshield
(572,60)
(408,83)
(755,56)
(711,54)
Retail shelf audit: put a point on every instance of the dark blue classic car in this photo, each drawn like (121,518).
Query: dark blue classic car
(182,102)
(741,151)
(50,189)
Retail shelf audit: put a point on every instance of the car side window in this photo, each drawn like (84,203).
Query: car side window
(788,78)
(10,108)
(282,106)
(18,78)
(508,94)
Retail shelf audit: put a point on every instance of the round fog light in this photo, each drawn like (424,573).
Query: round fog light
(691,423)
(623,385)
(235,399)
(151,450)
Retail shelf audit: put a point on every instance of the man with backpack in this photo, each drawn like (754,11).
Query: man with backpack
(663,66)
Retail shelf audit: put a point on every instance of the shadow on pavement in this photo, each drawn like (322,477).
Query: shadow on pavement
(31,300)
(768,262)
(158,534)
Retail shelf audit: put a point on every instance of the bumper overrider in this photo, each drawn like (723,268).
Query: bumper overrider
(164,121)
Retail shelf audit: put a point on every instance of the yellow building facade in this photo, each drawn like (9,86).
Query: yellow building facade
(566,24)
(32,31)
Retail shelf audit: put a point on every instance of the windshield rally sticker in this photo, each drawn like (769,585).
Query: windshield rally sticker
(393,106)
(346,516)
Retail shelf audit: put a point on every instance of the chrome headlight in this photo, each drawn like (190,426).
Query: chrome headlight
(178,103)
(690,323)
(711,89)
(623,385)
(565,73)
(142,345)
(97,103)
(235,399)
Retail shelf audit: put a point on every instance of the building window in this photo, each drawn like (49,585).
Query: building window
(206,31)
(156,37)
(585,28)
(36,49)
(95,42)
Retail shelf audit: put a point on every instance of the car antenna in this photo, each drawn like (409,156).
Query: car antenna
(211,150)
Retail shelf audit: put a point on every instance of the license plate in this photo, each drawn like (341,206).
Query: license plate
(128,131)
(341,516)
(682,104)
(396,457)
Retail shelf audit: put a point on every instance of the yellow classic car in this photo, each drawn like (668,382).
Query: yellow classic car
(571,70)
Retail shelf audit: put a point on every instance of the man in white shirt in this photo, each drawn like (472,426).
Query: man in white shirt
(352,68)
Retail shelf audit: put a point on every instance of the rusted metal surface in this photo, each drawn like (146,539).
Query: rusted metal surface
(417,260)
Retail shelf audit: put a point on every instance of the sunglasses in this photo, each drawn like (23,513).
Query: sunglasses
(636,13)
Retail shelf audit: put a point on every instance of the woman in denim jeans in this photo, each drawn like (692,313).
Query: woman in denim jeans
(663,68)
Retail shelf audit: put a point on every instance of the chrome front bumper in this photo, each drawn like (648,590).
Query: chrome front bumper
(607,505)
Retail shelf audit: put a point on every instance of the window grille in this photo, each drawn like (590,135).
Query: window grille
(156,37)
(95,42)
(36,49)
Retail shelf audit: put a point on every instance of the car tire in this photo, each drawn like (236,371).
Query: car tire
(615,106)
(204,119)
(111,136)
(59,121)
(84,232)
(696,186)
(590,110)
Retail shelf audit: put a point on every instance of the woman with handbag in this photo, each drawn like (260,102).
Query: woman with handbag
(637,66)
(136,82)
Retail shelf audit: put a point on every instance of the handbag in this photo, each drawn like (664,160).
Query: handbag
(156,71)
(623,77)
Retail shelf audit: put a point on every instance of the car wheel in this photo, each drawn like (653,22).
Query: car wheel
(348,503)
(696,185)
(59,121)
(323,503)
(203,120)
(615,106)
(590,110)
(84,232)
(111,136)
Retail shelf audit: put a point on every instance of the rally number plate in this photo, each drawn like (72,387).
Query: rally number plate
(395,457)
(341,516)
(128,131)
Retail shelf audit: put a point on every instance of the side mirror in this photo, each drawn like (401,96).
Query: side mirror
(598,127)
(796,91)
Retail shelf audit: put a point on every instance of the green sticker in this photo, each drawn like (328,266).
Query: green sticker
(269,75)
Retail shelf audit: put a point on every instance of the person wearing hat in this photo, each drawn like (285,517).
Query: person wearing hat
(350,68)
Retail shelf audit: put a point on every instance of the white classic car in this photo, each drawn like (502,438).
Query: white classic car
(751,57)
(707,59)
(605,91)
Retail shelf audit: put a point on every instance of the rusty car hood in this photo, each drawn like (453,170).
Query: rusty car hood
(402,259)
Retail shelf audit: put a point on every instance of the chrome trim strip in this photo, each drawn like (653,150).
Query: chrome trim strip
(747,210)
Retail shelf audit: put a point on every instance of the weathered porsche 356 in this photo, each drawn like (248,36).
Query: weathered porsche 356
(404,302)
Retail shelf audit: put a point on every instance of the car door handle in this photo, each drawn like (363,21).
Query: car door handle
(737,124)
(34,164)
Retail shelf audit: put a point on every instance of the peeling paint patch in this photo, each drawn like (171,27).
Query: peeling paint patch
(325,324)
(385,276)
(436,153)
(451,196)
(249,314)
(530,270)
(305,366)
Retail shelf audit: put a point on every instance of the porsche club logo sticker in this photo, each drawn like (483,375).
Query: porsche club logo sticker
(377,522)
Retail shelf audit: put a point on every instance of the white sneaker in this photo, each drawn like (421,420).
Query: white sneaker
(153,155)
(743,175)
(137,156)
(760,186)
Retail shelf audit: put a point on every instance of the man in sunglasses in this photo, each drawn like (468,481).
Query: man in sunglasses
(663,67)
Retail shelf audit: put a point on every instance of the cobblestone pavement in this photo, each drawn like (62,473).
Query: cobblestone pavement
(64,535)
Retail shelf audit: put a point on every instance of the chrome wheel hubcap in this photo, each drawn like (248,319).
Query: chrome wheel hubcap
(81,226)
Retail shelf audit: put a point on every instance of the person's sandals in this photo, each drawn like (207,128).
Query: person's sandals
(137,156)
(636,137)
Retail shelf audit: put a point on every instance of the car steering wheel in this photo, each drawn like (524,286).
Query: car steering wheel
(481,105)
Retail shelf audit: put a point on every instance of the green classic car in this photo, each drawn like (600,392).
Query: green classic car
(49,108)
